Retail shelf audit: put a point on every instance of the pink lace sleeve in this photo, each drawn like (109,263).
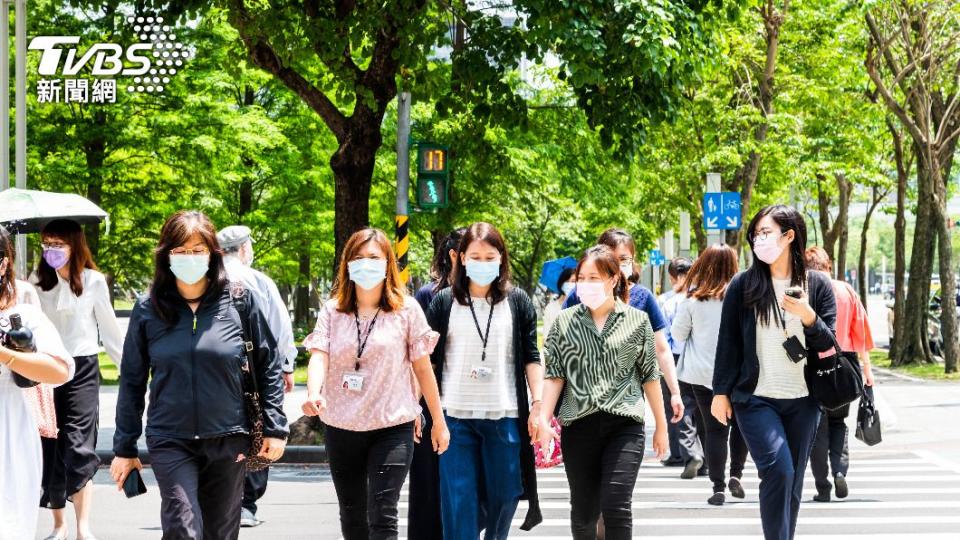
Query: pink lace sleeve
(421,339)
(319,339)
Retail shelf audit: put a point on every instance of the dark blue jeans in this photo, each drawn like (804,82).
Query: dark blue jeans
(779,434)
(480,482)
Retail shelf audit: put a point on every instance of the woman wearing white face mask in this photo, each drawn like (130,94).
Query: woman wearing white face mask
(601,355)
(370,352)
(765,337)
(565,283)
(187,339)
(76,299)
(489,369)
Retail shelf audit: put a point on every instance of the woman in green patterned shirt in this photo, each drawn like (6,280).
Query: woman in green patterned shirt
(601,355)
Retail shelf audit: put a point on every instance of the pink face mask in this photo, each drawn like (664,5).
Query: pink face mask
(768,250)
(592,293)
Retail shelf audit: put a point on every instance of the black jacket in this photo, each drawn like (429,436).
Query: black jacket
(194,371)
(737,368)
(525,352)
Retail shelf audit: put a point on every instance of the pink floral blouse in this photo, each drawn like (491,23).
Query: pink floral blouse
(388,393)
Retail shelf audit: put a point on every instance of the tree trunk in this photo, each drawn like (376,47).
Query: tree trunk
(836,231)
(95,151)
(912,341)
(948,294)
(698,233)
(904,166)
(863,282)
(301,304)
(245,193)
(353,165)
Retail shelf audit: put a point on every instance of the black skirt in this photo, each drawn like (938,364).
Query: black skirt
(70,460)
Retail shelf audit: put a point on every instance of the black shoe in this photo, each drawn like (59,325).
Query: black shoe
(840,484)
(736,488)
(704,471)
(672,462)
(717,499)
(691,468)
(822,496)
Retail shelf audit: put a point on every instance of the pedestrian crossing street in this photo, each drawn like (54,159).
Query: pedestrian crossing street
(893,495)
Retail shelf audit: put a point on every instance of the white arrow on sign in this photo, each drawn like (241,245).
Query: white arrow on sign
(711,206)
(732,221)
(712,223)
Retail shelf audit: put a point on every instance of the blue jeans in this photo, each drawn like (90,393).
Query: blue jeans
(480,482)
(779,434)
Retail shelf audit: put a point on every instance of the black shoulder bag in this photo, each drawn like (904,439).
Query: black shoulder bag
(833,381)
(251,395)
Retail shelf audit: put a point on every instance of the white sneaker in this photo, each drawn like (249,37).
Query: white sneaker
(248,518)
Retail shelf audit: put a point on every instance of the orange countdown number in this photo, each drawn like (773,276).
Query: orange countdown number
(434,160)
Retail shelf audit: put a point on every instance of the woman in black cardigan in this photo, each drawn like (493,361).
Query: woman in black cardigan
(765,336)
(486,359)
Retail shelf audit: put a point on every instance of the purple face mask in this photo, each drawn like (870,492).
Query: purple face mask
(56,257)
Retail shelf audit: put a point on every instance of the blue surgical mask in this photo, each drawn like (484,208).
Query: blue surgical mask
(367,273)
(483,273)
(189,268)
(567,288)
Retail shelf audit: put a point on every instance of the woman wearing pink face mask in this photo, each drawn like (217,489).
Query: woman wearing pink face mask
(765,337)
(602,356)
(75,297)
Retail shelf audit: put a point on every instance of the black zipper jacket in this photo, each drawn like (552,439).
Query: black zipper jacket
(193,367)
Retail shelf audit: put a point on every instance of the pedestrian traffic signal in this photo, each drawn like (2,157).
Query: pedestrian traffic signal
(433,175)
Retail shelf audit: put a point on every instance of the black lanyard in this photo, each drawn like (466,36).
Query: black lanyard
(362,344)
(483,337)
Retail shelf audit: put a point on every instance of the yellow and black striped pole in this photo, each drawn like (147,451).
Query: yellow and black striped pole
(403,247)
(403,185)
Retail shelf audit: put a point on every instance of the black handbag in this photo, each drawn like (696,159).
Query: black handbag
(251,396)
(868,421)
(834,381)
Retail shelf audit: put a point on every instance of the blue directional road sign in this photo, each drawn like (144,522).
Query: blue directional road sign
(721,210)
(656,257)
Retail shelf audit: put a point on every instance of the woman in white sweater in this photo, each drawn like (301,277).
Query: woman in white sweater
(698,323)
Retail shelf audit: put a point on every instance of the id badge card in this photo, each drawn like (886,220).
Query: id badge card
(353,381)
(481,373)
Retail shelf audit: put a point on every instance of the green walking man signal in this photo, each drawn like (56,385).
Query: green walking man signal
(433,175)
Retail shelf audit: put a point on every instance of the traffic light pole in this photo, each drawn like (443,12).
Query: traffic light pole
(403,184)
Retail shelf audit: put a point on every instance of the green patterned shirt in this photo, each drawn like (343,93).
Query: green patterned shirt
(603,371)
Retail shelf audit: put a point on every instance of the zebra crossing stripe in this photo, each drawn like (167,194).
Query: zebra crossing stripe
(838,505)
(753,479)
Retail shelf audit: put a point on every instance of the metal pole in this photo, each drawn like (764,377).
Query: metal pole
(21,127)
(713,186)
(403,184)
(4,94)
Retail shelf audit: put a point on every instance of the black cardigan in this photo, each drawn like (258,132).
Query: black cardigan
(524,335)
(737,368)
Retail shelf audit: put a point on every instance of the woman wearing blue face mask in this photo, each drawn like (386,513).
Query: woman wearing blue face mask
(491,386)
(186,338)
(369,355)
(76,298)
(565,283)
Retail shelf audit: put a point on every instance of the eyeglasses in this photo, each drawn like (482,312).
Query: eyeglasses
(53,245)
(199,250)
(626,260)
(763,235)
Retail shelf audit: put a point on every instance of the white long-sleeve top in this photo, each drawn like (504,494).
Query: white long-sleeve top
(83,321)
(698,323)
(271,304)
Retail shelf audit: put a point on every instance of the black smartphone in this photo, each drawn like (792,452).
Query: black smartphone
(794,292)
(134,485)
(795,350)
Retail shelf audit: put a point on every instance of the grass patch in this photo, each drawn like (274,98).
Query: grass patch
(123,304)
(109,374)
(933,372)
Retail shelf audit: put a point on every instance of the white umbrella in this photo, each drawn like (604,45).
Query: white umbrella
(27,211)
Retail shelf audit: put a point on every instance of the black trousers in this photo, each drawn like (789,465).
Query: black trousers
(254,487)
(368,470)
(602,455)
(831,446)
(423,516)
(686,436)
(718,437)
(70,460)
(201,486)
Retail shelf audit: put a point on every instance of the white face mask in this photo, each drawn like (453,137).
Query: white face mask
(567,288)
(593,294)
(627,270)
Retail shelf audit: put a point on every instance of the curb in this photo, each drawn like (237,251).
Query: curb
(293,455)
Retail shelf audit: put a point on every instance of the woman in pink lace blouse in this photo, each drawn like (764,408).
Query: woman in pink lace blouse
(370,358)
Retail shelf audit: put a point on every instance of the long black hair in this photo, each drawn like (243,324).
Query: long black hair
(442,268)
(758,293)
(482,232)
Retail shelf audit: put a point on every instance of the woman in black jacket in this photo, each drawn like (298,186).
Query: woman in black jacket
(765,336)
(186,336)
(486,359)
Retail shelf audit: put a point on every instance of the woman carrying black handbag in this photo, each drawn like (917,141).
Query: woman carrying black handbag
(774,316)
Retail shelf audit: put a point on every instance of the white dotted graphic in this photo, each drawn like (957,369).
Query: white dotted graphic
(166,53)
